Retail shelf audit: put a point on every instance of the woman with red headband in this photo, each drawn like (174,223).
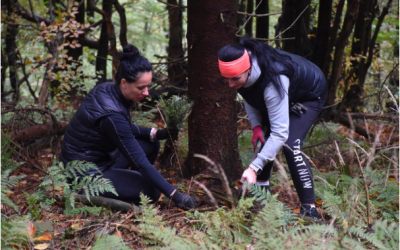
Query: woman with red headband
(283,94)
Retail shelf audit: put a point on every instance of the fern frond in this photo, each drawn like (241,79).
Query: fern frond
(94,186)
(110,242)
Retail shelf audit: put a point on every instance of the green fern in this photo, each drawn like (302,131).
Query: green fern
(8,181)
(110,242)
(91,185)
(155,231)
(14,233)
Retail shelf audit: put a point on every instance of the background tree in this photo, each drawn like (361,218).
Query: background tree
(11,50)
(294,24)
(262,30)
(106,30)
(211,25)
(321,46)
(249,24)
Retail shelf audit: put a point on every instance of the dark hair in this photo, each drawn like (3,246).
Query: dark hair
(266,56)
(132,65)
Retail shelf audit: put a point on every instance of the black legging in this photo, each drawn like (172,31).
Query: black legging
(298,165)
(130,183)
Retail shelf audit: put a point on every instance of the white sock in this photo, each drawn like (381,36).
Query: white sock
(262,183)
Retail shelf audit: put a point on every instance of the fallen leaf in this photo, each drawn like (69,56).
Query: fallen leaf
(42,246)
(45,237)
(319,203)
(118,233)
(76,226)
(31,229)
(296,210)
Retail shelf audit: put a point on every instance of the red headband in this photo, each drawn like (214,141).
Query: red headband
(236,67)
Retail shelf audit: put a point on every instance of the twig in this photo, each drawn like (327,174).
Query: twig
(259,15)
(184,213)
(293,22)
(224,178)
(392,98)
(172,141)
(366,189)
(208,192)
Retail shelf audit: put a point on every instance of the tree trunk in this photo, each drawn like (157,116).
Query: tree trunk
(322,40)
(212,124)
(348,24)
(332,37)
(11,49)
(361,40)
(241,19)
(297,34)
(102,53)
(262,28)
(176,71)
(4,66)
(123,30)
(249,25)
(397,43)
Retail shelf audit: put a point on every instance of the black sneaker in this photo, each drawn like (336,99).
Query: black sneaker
(308,210)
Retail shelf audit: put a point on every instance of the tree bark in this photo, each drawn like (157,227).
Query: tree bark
(291,10)
(11,49)
(361,41)
(249,25)
(38,131)
(348,24)
(176,67)
(322,40)
(4,67)
(102,53)
(122,17)
(212,124)
(262,26)
(332,37)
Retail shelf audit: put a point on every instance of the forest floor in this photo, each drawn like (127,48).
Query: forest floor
(51,229)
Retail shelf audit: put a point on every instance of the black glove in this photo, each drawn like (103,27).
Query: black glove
(183,201)
(162,134)
(298,108)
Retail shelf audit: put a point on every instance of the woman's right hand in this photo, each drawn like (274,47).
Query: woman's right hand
(183,201)
(257,135)
(250,176)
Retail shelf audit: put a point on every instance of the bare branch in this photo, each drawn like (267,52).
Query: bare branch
(21,11)
(259,15)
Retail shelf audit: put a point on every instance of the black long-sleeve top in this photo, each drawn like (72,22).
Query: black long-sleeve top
(122,134)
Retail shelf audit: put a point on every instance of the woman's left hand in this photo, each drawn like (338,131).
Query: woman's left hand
(250,176)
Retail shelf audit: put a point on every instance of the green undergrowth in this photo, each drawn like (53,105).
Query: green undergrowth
(274,226)
(360,206)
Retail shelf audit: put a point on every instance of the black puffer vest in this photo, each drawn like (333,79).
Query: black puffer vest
(83,139)
(310,84)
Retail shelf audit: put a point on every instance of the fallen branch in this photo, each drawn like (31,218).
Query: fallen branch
(112,204)
(371,116)
(38,131)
